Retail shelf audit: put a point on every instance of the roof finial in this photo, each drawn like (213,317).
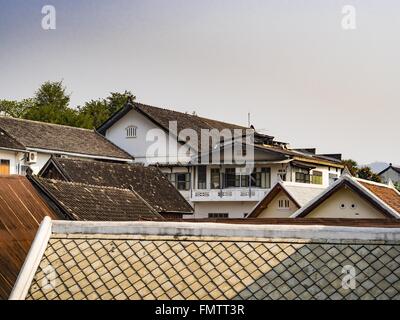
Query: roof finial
(346,172)
(130,99)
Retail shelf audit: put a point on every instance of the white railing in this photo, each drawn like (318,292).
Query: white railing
(239,194)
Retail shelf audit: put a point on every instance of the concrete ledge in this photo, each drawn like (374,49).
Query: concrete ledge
(182,229)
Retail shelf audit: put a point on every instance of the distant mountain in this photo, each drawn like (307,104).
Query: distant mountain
(378,166)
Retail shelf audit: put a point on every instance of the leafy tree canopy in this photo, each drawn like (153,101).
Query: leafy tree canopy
(363,172)
(50,103)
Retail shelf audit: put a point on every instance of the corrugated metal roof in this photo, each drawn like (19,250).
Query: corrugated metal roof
(21,211)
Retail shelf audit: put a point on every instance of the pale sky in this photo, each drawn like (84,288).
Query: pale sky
(290,64)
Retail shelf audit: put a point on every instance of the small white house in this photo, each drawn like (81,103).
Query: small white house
(30,144)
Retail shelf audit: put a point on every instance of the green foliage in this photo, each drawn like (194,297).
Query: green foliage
(351,165)
(15,109)
(366,173)
(363,172)
(51,104)
(397,185)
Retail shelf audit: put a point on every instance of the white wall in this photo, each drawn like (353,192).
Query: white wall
(273,210)
(331,207)
(11,156)
(235,209)
(138,146)
(42,158)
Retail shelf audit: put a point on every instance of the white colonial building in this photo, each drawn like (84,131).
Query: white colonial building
(221,189)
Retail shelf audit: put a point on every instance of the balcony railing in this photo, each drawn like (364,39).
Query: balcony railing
(237,194)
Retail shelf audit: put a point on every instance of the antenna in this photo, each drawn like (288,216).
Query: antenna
(248,120)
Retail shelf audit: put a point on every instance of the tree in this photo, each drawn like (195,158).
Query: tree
(51,104)
(116,100)
(96,112)
(93,114)
(14,108)
(351,165)
(397,185)
(363,172)
(366,173)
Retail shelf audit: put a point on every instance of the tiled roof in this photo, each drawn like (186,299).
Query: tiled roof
(41,135)
(97,203)
(262,263)
(386,193)
(149,182)
(21,211)
(8,142)
(382,197)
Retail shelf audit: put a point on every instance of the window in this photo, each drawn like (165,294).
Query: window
(230,178)
(261,179)
(215,179)
(131,132)
(5,167)
(202,177)
(302,175)
(218,215)
(316,177)
(283,204)
(181,181)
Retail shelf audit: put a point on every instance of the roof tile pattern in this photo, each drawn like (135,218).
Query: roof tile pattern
(98,203)
(149,182)
(55,137)
(390,196)
(217,268)
(8,142)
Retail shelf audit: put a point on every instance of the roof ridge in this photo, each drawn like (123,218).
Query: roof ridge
(46,123)
(379,184)
(83,184)
(188,114)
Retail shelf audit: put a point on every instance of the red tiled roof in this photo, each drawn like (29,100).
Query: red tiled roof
(390,196)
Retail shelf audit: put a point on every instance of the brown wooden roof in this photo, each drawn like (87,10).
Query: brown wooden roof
(21,211)
(54,137)
(149,182)
(96,203)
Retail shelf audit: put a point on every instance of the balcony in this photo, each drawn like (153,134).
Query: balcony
(237,194)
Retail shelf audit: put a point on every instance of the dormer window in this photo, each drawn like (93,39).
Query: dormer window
(131,131)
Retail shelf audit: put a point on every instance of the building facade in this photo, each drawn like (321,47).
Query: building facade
(216,189)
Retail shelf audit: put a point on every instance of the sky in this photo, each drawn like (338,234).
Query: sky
(302,77)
